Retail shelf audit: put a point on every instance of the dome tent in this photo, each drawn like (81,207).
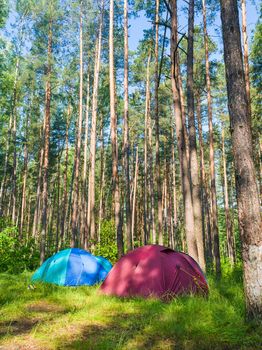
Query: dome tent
(154,270)
(72,267)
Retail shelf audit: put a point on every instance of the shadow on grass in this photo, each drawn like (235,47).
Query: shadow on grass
(183,324)
(40,312)
(80,319)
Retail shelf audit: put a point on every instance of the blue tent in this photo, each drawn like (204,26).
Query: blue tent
(73,267)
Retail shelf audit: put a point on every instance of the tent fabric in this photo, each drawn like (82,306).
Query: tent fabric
(154,270)
(73,267)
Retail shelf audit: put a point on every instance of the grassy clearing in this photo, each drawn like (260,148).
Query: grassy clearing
(52,317)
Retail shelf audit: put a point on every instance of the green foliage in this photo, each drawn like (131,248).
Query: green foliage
(107,246)
(16,255)
(81,318)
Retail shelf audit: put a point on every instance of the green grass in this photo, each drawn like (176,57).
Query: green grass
(52,317)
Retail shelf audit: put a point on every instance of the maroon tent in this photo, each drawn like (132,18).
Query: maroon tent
(154,270)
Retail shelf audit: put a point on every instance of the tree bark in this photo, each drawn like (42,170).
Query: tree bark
(118,223)
(247,193)
(126,132)
(150,158)
(156,112)
(211,150)
(14,117)
(58,223)
(134,195)
(189,218)
(23,204)
(245,45)
(35,228)
(193,162)
(147,112)
(90,229)
(3,183)
(205,193)
(229,227)
(74,239)
(102,181)
(46,145)
(63,216)
(173,181)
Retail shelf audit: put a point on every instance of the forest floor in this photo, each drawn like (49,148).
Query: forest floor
(51,317)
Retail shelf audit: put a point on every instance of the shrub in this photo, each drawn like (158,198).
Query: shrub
(17,255)
(107,246)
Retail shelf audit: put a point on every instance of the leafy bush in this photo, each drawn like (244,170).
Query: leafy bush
(17,255)
(107,246)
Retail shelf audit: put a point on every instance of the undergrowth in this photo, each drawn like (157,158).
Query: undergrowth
(52,317)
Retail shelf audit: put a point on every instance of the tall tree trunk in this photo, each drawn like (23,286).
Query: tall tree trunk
(28,217)
(63,216)
(102,181)
(46,145)
(3,183)
(126,131)
(158,167)
(245,44)
(173,181)
(35,228)
(147,112)
(150,152)
(193,162)
(86,129)
(134,195)
(91,184)
(14,117)
(211,150)
(188,208)
(23,204)
(118,223)
(74,240)
(84,196)
(205,193)
(58,223)
(247,193)
(229,227)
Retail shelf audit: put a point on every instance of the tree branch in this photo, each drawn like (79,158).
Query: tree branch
(168,7)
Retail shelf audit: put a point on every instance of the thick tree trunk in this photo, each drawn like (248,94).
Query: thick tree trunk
(74,239)
(247,192)
(193,162)
(90,227)
(118,222)
(189,217)
(156,112)
(46,146)
(126,131)
(245,45)
(211,151)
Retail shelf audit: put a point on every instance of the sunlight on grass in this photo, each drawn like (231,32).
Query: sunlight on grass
(52,317)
